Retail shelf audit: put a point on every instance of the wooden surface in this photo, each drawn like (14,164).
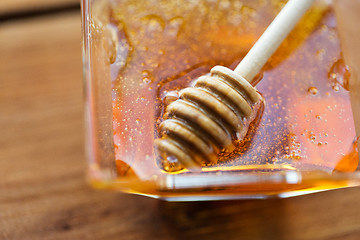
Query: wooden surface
(13,6)
(43,193)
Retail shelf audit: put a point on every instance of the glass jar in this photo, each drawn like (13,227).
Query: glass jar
(138,55)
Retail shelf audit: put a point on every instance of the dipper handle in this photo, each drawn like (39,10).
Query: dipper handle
(271,39)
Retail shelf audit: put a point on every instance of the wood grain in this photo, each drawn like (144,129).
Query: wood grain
(43,193)
(11,6)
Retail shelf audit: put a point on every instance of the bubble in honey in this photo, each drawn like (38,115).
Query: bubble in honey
(154,23)
(175,25)
(224,4)
(247,11)
(147,77)
(339,75)
(336,87)
(313,90)
(311,136)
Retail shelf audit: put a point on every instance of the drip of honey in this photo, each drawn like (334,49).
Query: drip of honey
(159,47)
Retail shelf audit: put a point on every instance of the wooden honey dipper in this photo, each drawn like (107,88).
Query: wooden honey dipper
(218,109)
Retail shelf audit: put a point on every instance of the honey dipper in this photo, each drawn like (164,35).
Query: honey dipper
(209,116)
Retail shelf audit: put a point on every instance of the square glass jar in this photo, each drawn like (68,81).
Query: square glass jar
(139,54)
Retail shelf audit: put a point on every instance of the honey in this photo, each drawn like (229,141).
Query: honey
(157,47)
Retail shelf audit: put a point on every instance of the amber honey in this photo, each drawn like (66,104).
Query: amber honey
(157,47)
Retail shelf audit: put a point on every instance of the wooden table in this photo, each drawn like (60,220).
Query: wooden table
(43,193)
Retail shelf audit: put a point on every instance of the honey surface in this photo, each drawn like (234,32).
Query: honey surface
(164,45)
